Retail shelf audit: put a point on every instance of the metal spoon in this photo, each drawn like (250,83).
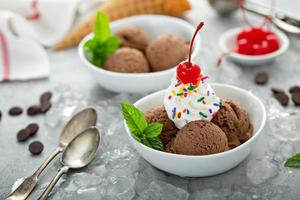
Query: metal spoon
(79,122)
(279,19)
(79,153)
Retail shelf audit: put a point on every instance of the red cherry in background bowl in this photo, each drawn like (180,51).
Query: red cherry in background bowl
(228,39)
(256,41)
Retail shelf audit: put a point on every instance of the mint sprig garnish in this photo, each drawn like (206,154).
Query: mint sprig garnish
(143,132)
(134,118)
(293,161)
(103,43)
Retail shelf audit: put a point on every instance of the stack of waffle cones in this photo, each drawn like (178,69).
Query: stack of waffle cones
(117,9)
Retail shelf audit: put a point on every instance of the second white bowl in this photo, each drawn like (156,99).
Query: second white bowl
(207,165)
(227,42)
(154,25)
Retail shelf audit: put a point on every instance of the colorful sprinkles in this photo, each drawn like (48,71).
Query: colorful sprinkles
(198,93)
(202,114)
(191,87)
(204,78)
(179,115)
(174,112)
(218,104)
(201,99)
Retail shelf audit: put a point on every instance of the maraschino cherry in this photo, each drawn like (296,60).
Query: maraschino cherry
(188,72)
(256,40)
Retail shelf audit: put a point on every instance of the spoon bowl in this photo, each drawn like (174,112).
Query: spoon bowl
(79,122)
(81,151)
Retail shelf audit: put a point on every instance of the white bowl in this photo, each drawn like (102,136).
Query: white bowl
(227,43)
(207,165)
(154,25)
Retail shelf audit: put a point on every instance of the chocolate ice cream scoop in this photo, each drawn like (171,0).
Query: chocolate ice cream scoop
(199,138)
(160,115)
(127,60)
(166,51)
(235,122)
(133,37)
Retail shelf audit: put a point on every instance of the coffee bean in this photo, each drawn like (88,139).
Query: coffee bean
(296,98)
(277,90)
(23,134)
(282,98)
(46,96)
(294,89)
(45,106)
(261,78)
(33,127)
(34,110)
(14,111)
(36,147)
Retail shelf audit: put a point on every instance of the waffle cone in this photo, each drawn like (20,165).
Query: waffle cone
(117,9)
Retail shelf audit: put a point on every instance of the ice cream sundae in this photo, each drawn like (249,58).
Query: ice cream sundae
(193,120)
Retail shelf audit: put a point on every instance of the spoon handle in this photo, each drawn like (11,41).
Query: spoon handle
(24,190)
(49,188)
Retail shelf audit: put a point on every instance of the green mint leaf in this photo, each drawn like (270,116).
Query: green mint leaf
(146,142)
(111,45)
(135,119)
(136,138)
(93,52)
(294,161)
(103,43)
(153,143)
(139,128)
(102,30)
(156,143)
(153,130)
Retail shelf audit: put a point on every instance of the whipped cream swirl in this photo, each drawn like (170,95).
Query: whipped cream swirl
(187,102)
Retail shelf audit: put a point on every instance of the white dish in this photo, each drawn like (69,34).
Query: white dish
(154,25)
(208,165)
(227,43)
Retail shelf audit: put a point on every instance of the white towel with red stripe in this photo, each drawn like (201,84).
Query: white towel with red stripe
(20,58)
(26,27)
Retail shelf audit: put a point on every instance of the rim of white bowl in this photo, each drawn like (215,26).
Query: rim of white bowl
(257,133)
(232,32)
(183,23)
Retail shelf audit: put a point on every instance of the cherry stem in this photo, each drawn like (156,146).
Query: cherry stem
(192,42)
(266,21)
(267,18)
(223,55)
(241,4)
